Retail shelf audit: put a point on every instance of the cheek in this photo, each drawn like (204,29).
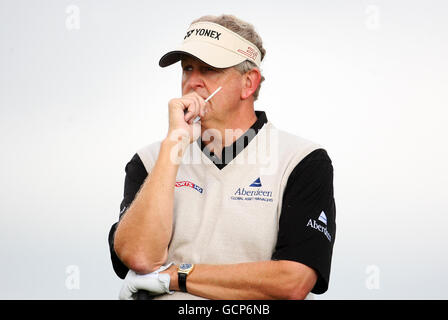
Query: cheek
(183,82)
(234,90)
(235,84)
(228,97)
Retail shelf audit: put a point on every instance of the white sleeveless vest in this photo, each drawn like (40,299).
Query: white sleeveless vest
(230,215)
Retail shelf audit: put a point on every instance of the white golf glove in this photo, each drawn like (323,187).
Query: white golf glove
(155,283)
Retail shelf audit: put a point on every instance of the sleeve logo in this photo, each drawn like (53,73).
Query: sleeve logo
(313,224)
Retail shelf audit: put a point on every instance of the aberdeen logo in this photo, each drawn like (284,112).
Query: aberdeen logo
(251,194)
(313,224)
(323,218)
(188,184)
(256,183)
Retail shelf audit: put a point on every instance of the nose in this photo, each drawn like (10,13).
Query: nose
(194,81)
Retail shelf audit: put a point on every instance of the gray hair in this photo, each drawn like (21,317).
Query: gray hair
(247,31)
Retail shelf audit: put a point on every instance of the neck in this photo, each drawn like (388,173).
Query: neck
(235,124)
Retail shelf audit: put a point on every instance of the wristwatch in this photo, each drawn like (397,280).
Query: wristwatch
(182,272)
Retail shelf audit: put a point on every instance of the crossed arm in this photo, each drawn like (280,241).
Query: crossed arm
(143,234)
(254,280)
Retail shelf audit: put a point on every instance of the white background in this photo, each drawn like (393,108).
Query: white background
(81,91)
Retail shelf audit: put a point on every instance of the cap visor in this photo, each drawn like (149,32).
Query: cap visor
(210,54)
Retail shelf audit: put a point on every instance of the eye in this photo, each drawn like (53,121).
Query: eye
(208,69)
(187,68)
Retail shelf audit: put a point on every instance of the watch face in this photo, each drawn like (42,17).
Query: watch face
(184,266)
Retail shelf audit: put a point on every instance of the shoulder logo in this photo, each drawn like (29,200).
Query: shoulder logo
(256,183)
(323,218)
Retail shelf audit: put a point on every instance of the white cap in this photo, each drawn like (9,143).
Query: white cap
(214,45)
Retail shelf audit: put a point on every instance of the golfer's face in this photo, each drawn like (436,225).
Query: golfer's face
(205,79)
(199,77)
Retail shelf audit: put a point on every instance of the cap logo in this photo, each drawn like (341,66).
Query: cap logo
(203,32)
(250,53)
(189,34)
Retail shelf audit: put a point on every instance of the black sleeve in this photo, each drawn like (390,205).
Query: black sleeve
(135,176)
(307,225)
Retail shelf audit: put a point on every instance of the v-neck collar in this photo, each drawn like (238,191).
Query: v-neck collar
(230,152)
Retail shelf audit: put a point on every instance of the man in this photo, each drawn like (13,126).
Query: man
(228,207)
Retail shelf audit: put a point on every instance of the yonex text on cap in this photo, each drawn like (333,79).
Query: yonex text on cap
(215,45)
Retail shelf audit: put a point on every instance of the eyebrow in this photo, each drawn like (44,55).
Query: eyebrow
(203,66)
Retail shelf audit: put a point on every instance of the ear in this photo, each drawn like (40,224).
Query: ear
(251,81)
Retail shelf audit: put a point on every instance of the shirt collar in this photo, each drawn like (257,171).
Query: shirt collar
(230,152)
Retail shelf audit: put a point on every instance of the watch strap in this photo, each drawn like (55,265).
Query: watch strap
(182,279)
